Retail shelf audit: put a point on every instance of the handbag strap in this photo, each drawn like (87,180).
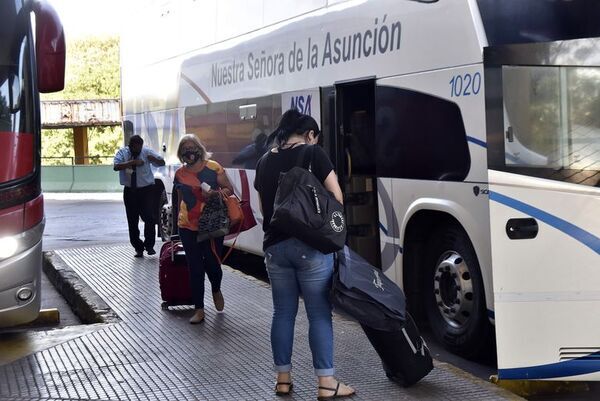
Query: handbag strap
(213,247)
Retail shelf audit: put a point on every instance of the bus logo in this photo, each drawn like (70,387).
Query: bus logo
(302,104)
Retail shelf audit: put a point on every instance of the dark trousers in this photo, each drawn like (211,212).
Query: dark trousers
(138,204)
(201,260)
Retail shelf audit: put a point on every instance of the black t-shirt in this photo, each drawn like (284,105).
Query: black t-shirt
(267,178)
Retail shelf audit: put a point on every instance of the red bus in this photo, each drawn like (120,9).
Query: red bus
(29,64)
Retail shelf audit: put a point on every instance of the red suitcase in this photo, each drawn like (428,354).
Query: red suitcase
(174,275)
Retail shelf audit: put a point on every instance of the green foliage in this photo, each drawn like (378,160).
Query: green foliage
(92,72)
(57,147)
(104,141)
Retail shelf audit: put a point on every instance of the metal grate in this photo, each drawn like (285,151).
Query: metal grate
(581,353)
(157,355)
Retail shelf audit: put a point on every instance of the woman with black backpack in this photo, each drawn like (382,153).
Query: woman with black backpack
(294,267)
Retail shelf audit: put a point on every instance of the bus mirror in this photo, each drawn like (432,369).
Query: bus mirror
(49,48)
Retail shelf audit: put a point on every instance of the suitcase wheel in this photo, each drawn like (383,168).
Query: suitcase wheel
(164,305)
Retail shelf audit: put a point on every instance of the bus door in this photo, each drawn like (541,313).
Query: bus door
(350,114)
(543,128)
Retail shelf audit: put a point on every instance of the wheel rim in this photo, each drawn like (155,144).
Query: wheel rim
(453,289)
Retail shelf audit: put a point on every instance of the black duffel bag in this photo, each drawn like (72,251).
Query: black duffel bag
(365,294)
(403,353)
(305,210)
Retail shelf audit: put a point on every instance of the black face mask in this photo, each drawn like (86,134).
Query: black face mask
(191,156)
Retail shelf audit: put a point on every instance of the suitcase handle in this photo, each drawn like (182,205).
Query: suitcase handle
(174,238)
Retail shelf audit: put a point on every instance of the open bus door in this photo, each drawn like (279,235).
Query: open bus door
(349,136)
(543,127)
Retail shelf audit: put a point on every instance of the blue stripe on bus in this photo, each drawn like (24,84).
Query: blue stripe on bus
(578,366)
(477,141)
(382,228)
(579,234)
(385,231)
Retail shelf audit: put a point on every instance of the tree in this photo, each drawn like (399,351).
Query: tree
(92,72)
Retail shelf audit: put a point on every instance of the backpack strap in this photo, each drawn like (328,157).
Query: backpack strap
(305,157)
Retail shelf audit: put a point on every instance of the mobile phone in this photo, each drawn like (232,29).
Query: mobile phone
(205,187)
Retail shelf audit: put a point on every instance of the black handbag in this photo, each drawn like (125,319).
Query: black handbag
(214,219)
(305,210)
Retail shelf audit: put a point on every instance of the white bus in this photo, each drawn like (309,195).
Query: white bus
(465,134)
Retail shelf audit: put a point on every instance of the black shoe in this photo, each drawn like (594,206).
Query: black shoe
(139,254)
(151,251)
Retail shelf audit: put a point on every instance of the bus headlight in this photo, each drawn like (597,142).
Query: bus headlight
(8,247)
(15,244)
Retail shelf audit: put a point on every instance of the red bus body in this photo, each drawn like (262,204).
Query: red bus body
(24,72)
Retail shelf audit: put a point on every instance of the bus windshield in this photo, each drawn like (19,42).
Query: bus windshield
(17,137)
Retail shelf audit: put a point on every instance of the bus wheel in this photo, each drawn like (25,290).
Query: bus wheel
(165,220)
(454,294)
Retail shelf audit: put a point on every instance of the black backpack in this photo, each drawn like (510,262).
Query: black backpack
(305,210)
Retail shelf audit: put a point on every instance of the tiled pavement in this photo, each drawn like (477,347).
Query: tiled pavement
(152,354)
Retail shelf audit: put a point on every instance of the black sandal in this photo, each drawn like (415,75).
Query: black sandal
(282,393)
(335,393)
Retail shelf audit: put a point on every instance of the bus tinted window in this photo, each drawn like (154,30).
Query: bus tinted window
(235,131)
(524,21)
(419,136)
(551,114)
(17,137)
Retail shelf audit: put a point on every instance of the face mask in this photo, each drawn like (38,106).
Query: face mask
(191,156)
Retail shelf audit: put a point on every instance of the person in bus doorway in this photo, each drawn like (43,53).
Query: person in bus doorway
(198,179)
(135,174)
(295,268)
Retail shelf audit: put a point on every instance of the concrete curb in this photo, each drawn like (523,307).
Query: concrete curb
(84,301)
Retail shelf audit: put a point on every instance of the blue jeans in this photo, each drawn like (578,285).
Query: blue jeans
(295,268)
(201,260)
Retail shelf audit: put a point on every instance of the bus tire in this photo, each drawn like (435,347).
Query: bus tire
(454,294)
